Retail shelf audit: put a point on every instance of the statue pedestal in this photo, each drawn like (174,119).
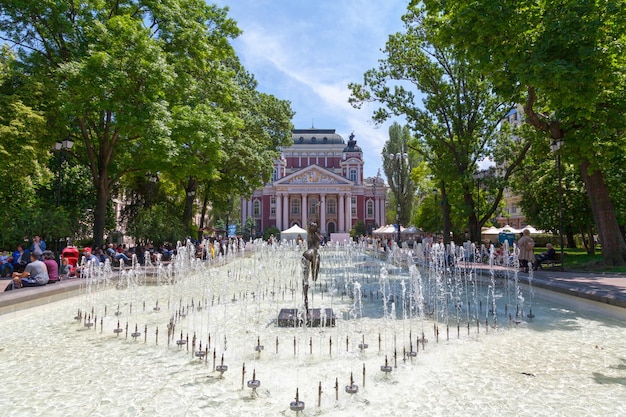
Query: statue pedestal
(291,317)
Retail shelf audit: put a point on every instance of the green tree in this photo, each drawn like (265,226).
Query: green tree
(359,229)
(564,60)
(397,164)
(454,125)
(21,154)
(108,71)
(156,225)
(538,186)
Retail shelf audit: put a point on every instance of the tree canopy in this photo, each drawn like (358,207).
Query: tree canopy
(455,123)
(143,86)
(564,61)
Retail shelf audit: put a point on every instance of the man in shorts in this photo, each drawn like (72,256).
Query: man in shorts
(35,274)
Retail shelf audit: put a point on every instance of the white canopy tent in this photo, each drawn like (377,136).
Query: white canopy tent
(389,229)
(492,233)
(292,233)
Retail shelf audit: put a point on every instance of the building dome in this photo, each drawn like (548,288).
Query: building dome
(316,136)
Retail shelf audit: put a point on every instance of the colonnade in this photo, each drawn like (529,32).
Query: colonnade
(342,214)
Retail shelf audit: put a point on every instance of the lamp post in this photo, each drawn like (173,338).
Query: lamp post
(399,158)
(555,146)
(60,146)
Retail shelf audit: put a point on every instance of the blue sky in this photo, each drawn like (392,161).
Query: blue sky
(307,52)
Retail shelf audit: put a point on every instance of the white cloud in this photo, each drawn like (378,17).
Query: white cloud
(308,52)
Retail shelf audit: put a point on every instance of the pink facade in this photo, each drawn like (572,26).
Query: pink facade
(319,177)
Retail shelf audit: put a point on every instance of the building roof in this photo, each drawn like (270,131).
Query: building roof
(316,136)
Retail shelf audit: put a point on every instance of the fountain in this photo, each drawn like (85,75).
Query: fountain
(565,359)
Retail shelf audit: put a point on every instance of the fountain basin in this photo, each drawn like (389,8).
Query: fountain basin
(567,361)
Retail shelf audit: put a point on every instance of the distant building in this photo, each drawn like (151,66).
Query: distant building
(319,177)
(515,217)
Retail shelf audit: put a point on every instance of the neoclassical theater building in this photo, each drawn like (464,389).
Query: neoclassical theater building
(319,177)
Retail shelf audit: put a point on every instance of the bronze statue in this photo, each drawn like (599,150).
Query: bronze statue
(310,261)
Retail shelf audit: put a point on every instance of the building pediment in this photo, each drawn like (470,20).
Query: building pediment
(313,175)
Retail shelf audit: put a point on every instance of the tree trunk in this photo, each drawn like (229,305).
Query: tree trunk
(571,243)
(611,239)
(205,205)
(445,214)
(473,219)
(100,212)
(190,197)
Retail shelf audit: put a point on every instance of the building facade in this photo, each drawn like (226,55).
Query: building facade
(319,177)
(513,214)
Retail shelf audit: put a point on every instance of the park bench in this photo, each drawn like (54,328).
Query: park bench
(557,261)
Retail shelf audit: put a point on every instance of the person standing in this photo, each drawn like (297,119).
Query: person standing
(38,246)
(526,250)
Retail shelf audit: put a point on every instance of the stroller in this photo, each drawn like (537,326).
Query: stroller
(71,254)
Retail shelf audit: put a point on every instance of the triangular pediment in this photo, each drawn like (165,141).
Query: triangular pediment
(314,175)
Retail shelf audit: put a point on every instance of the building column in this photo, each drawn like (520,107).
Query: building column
(348,212)
(304,209)
(342,213)
(322,209)
(285,221)
(279,211)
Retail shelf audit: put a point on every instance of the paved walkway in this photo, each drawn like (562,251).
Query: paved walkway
(601,287)
(609,288)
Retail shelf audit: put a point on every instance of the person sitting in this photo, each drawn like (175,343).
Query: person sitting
(111,250)
(90,256)
(51,265)
(66,271)
(35,274)
(549,254)
(6,264)
(20,259)
(99,253)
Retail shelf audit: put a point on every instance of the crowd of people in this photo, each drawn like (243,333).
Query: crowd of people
(31,265)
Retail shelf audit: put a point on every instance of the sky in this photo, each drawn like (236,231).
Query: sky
(307,52)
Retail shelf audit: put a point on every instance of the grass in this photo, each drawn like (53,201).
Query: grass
(580,260)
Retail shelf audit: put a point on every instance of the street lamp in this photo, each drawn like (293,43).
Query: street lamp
(400,158)
(60,146)
(555,146)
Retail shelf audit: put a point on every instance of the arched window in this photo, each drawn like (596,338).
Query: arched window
(370,208)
